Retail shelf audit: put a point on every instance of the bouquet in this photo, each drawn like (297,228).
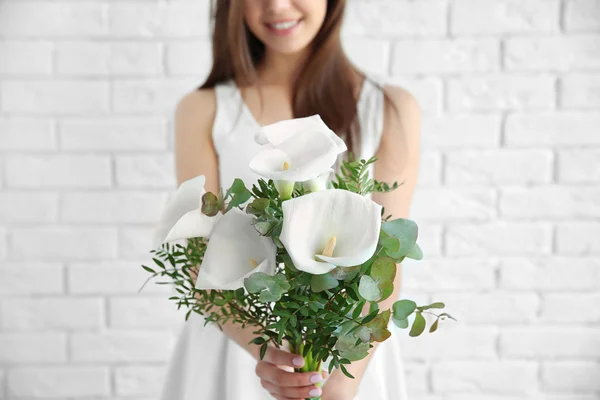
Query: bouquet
(302,263)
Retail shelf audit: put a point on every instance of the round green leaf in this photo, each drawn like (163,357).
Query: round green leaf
(318,283)
(403,308)
(368,288)
(383,271)
(415,253)
(400,323)
(405,230)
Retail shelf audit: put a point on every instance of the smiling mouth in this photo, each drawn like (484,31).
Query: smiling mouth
(283,26)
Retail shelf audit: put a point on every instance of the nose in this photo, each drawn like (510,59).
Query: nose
(278,5)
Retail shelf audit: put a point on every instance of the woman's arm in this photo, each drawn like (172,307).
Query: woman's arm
(398,156)
(195,155)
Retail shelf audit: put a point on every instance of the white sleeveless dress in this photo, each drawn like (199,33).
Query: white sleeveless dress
(206,364)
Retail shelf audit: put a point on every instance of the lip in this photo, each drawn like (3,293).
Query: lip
(284,32)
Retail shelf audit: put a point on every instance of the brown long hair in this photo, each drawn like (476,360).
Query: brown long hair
(326,85)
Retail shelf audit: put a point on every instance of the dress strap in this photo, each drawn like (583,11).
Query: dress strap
(370,108)
(228,109)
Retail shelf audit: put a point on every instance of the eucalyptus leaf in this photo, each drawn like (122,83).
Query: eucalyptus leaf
(400,323)
(418,325)
(403,308)
(378,326)
(368,288)
(415,253)
(346,346)
(318,283)
(434,326)
(405,230)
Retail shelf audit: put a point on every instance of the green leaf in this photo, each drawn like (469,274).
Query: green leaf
(432,305)
(238,186)
(238,199)
(368,288)
(434,326)
(378,326)
(260,204)
(405,230)
(346,346)
(389,243)
(210,204)
(148,269)
(318,283)
(415,253)
(370,317)
(271,288)
(263,350)
(418,325)
(403,308)
(400,323)
(383,271)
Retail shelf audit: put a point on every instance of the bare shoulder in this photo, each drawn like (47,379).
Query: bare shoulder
(400,138)
(194,151)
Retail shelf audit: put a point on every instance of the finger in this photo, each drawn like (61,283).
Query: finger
(281,378)
(282,357)
(293,393)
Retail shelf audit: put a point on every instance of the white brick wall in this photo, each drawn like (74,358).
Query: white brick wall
(508,199)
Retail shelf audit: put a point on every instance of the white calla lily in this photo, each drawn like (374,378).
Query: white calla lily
(182,218)
(235,251)
(281,131)
(330,228)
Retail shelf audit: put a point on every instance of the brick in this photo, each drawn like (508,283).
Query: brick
(3,243)
(111,278)
(53,19)
(570,377)
(553,53)
(566,202)
(26,134)
(135,243)
(39,348)
(148,20)
(417,379)
(114,134)
(546,129)
(51,313)
(579,166)
(461,131)
(146,171)
(143,312)
(508,377)
(430,169)
(580,91)
(139,380)
(548,343)
(26,58)
(430,238)
(451,343)
(499,238)
(370,55)
(474,17)
(31,278)
(490,167)
(55,97)
(428,91)
(151,95)
(424,18)
(84,58)
(497,308)
(557,273)
(446,56)
(582,15)
(121,346)
(63,243)
(556,305)
(55,381)
(189,58)
(501,92)
(55,171)
(450,274)
(453,205)
(578,238)
(112,207)
(34,207)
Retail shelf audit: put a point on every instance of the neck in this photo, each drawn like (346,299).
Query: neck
(282,69)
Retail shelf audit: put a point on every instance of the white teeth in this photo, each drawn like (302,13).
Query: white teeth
(283,25)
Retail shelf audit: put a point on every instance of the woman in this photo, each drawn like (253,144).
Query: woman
(276,60)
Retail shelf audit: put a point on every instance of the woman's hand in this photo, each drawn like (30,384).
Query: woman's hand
(340,387)
(285,384)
